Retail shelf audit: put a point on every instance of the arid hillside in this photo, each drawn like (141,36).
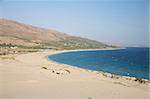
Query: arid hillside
(30,36)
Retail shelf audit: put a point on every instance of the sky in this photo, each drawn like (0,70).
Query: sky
(121,22)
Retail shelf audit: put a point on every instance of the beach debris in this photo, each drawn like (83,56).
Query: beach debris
(140,80)
(109,75)
(67,71)
(64,71)
(44,67)
(113,76)
(57,71)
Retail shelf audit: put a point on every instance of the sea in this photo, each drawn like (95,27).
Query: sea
(132,61)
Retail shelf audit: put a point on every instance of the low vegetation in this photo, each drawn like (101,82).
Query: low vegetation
(6,49)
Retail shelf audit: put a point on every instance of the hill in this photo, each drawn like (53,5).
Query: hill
(30,36)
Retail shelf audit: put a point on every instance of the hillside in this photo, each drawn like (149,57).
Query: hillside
(30,36)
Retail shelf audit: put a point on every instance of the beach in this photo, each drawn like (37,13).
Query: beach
(33,76)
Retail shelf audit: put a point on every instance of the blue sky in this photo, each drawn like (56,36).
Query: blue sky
(123,22)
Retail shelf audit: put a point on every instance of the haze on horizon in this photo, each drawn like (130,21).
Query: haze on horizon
(121,22)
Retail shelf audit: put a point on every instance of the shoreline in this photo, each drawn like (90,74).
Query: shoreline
(78,50)
(107,74)
(33,76)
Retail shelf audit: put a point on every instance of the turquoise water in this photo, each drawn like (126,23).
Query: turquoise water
(128,62)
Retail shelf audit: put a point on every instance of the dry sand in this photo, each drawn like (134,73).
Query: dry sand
(22,77)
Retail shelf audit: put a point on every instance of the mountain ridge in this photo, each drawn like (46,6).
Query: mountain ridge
(27,35)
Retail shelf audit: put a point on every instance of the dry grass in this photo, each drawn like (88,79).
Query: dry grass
(7,57)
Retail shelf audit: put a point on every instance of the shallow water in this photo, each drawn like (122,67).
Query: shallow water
(128,62)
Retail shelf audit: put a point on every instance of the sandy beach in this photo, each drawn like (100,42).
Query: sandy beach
(32,76)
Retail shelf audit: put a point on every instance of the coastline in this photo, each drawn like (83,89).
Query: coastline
(24,77)
(110,75)
(64,51)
